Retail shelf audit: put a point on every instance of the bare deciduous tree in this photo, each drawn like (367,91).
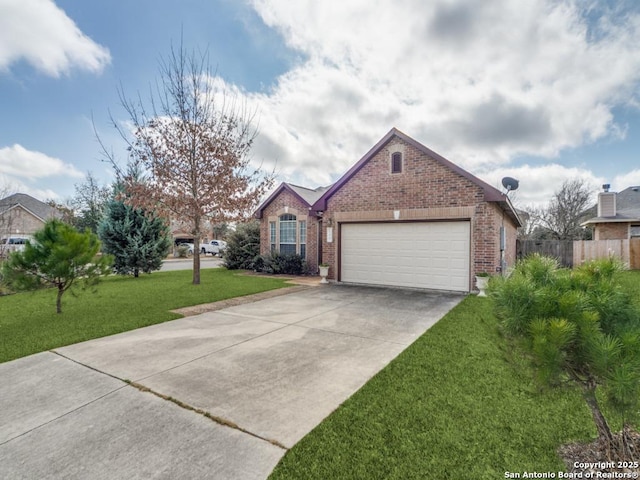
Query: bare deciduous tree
(562,216)
(193,144)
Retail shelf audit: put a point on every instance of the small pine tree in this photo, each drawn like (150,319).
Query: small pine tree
(580,327)
(137,241)
(59,256)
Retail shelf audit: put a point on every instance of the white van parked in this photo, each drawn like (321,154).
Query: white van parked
(13,243)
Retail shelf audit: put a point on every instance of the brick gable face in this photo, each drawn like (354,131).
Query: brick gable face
(423,183)
(18,220)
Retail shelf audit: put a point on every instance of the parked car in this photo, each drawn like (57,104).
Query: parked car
(214,247)
(13,244)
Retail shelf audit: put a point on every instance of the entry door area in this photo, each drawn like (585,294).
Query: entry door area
(430,255)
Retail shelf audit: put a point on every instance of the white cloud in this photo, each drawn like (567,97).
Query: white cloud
(624,180)
(9,185)
(41,33)
(18,164)
(539,183)
(478,82)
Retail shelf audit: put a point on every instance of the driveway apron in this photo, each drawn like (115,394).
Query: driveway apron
(221,395)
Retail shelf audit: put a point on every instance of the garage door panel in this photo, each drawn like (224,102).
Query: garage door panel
(432,255)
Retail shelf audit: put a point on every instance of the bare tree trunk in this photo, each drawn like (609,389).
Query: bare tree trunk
(59,299)
(589,394)
(196,258)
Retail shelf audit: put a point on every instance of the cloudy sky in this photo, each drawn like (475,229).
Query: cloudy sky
(538,90)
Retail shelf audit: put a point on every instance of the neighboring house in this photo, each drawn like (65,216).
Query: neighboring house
(401,216)
(180,234)
(21,214)
(618,215)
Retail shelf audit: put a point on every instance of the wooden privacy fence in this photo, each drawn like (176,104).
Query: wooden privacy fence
(628,250)
(560,249)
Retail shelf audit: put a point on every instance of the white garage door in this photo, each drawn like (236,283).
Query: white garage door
(432,255)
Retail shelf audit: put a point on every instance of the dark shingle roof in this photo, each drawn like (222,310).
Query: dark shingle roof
(628,202)
(35,206)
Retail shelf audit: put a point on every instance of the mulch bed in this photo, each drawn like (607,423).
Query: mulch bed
(578,456)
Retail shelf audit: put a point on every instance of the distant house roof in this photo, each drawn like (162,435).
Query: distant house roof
(628,202)
(33,205)
(627,208)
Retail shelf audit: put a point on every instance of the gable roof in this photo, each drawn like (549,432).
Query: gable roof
(32,205)
(491,194)
(307,196)
(316,199)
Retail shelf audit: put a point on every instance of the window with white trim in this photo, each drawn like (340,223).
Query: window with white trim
(303,238)
(272,236)
(288,234)
(288,227)
(634,231)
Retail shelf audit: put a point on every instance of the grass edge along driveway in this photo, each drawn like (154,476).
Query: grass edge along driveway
(29,323)
(458,403)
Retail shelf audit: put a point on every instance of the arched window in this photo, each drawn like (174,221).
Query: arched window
(396,162)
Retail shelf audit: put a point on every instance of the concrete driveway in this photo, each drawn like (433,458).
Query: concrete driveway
(219,395)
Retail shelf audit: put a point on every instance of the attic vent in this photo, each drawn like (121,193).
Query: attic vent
(607,204)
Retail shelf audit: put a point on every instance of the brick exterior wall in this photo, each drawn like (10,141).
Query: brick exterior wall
(425,190)
(611,231)
(19,221)
(286,202)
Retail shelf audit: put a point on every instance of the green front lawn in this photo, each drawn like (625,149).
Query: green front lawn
(457,404)
(29,323)
(630,280)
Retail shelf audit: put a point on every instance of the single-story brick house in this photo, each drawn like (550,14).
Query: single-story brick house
(618,215)
(21,214)
(401,216)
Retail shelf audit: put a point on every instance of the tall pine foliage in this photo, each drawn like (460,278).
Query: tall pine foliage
(138,241)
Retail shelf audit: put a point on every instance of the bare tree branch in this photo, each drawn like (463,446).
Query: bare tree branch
(562,216)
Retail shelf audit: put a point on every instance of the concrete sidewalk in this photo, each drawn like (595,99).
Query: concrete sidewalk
(264,373)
